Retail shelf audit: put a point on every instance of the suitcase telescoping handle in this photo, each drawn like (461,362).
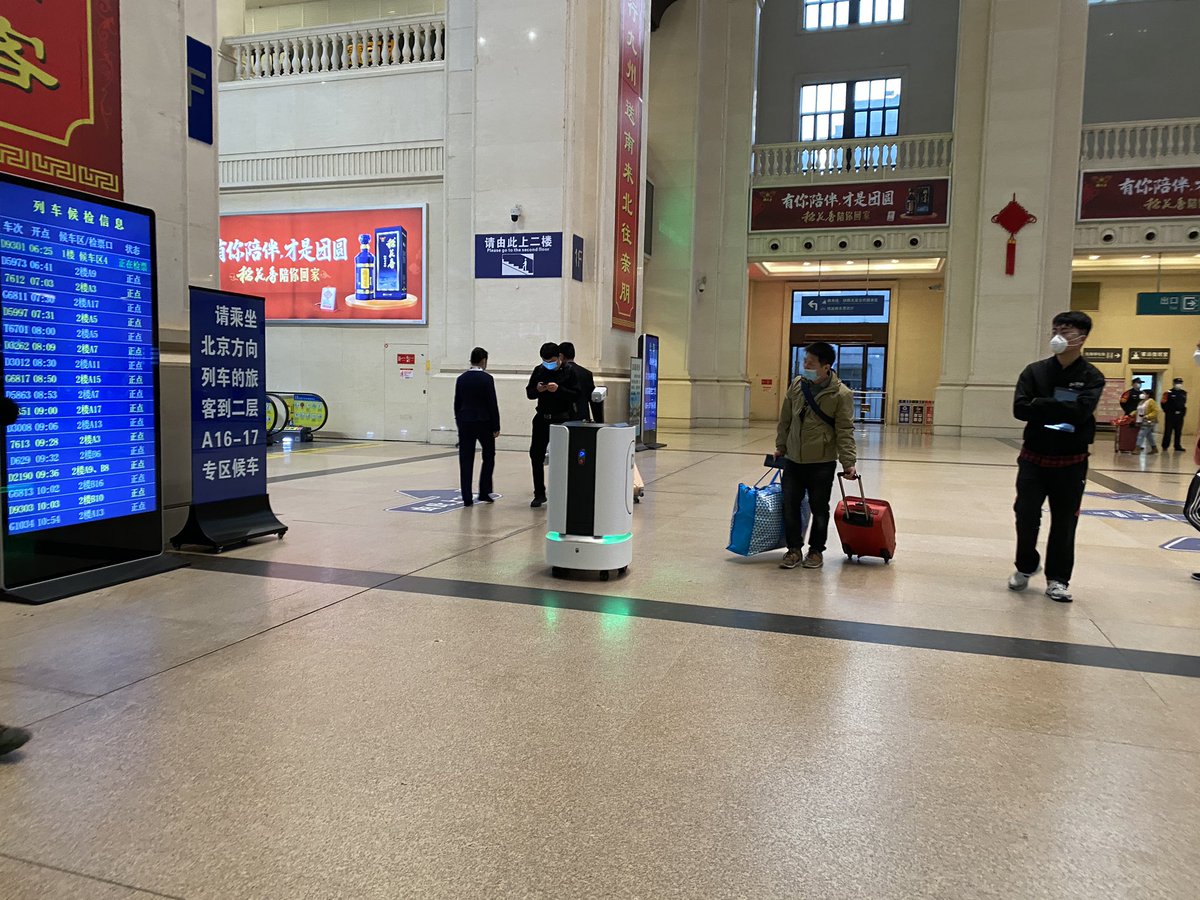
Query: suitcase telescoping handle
(856,508)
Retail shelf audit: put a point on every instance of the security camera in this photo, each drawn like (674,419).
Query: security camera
(914,241)
(1108,235)
(774,246)
(843,244)
(877,243)
(1193,234)
(808,245)
(515,213)
(702,284)
(1151,234)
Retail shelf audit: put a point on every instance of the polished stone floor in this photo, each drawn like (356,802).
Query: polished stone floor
(394,704)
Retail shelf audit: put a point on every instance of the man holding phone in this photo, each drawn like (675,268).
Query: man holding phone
(556,391)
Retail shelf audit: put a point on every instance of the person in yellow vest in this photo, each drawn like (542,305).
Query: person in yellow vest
(1147,414)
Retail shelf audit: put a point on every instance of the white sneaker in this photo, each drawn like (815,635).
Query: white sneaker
(1058,592)
(1018,581)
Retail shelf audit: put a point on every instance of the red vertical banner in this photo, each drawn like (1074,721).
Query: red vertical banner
(60,93)
(630,110)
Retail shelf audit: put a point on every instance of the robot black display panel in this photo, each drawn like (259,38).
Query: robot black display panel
(80,324)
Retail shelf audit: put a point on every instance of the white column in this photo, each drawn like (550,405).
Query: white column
(701,108)
(1018,116)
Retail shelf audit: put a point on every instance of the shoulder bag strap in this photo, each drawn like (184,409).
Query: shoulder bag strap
(812,404)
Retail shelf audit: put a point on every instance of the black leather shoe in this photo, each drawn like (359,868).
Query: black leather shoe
(12,738)
(484,498)
(537,502)
(1196,576)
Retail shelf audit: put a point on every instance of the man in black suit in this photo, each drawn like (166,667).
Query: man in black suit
(585,410)
(556,391)
(10,737)
(477,415)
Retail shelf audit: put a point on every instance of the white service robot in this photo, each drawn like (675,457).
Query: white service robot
(591,498)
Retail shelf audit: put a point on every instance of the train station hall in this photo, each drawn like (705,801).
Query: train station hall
(600,449)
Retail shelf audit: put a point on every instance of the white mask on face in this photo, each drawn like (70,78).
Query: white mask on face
(1059,344)
(1196,357)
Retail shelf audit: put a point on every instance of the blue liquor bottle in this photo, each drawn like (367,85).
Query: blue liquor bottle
(364,270)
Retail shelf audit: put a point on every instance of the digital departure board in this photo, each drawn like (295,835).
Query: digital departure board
(81,361)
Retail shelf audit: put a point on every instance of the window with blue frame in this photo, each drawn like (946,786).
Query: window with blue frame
(840,110)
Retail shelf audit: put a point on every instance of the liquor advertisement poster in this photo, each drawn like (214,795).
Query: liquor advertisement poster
(877,204)
(60,93)
(345,266)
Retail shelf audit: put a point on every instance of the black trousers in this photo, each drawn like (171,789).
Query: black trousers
(816,481)
(468,434)
(537,452)
(1063,487)
(1174,425)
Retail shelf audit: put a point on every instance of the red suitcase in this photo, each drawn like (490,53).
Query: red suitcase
(866,526)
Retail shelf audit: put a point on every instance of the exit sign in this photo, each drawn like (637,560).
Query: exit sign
(1178,303)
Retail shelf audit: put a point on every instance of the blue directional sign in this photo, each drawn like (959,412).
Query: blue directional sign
(433,502)
(201,94)
(1179,303)
(823,304)
(537,255)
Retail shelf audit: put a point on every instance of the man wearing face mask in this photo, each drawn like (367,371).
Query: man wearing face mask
(556,391)
(1056,398)
(816,431)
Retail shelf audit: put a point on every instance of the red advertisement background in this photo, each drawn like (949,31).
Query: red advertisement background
(67,133)
(301,300)
(853,205)
(1140,194)
(627,228)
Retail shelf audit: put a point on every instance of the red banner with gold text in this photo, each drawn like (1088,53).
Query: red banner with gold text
(630,109)
(60,93)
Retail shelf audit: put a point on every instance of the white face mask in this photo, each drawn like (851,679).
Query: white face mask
(1196,357)
(1059,344)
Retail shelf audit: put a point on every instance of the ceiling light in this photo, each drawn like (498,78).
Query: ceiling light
(809,264)
(849,262)
(1145,256)
(482,41)
(533,35)
(1093,256)
(894,261)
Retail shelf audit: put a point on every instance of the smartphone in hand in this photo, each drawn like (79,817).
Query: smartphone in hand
(773,462)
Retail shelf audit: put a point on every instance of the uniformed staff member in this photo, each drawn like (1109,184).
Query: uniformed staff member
(556,391)
(1174,407)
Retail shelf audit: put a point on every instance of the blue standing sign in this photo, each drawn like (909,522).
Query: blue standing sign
(538,255)
(229,396)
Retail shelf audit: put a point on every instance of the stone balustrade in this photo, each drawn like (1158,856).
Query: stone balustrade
(338,48)
(917,156)
(1122,144)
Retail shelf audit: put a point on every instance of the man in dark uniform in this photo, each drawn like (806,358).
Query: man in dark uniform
(556,391)
(1175,411)
(1131,398)
(477,415)
(11,738)
(585,410)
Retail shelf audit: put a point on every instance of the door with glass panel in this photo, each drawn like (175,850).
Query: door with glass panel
(863,369)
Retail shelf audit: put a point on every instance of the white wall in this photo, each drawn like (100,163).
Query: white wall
(280,16)
(1141,61)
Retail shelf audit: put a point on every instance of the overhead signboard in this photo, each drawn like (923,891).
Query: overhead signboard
(1140,194)
(365,265)
(823,304)
(1186,303)
(876,204)
(1103,354)
(81,465)
(1151,356)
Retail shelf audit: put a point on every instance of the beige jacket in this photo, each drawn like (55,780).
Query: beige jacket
(810,440)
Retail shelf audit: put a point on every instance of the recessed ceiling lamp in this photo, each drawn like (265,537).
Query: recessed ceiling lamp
(1093,256)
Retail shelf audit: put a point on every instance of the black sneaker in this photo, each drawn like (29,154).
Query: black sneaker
(537,501)
(12,738)
(1196,576)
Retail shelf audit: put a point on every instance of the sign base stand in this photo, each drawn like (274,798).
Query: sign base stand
(97,579)
(229,523)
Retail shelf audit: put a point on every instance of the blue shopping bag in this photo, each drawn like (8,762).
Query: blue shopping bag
(757,524)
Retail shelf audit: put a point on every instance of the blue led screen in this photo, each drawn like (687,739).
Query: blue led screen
(79,358)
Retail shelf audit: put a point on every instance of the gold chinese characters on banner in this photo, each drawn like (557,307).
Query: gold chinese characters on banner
(627,242)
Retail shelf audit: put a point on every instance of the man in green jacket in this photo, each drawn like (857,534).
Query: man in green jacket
(816,431)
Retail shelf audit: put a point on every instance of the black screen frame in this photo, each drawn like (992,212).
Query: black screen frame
(37,556)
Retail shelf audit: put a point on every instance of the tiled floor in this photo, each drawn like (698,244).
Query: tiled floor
(375,719)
